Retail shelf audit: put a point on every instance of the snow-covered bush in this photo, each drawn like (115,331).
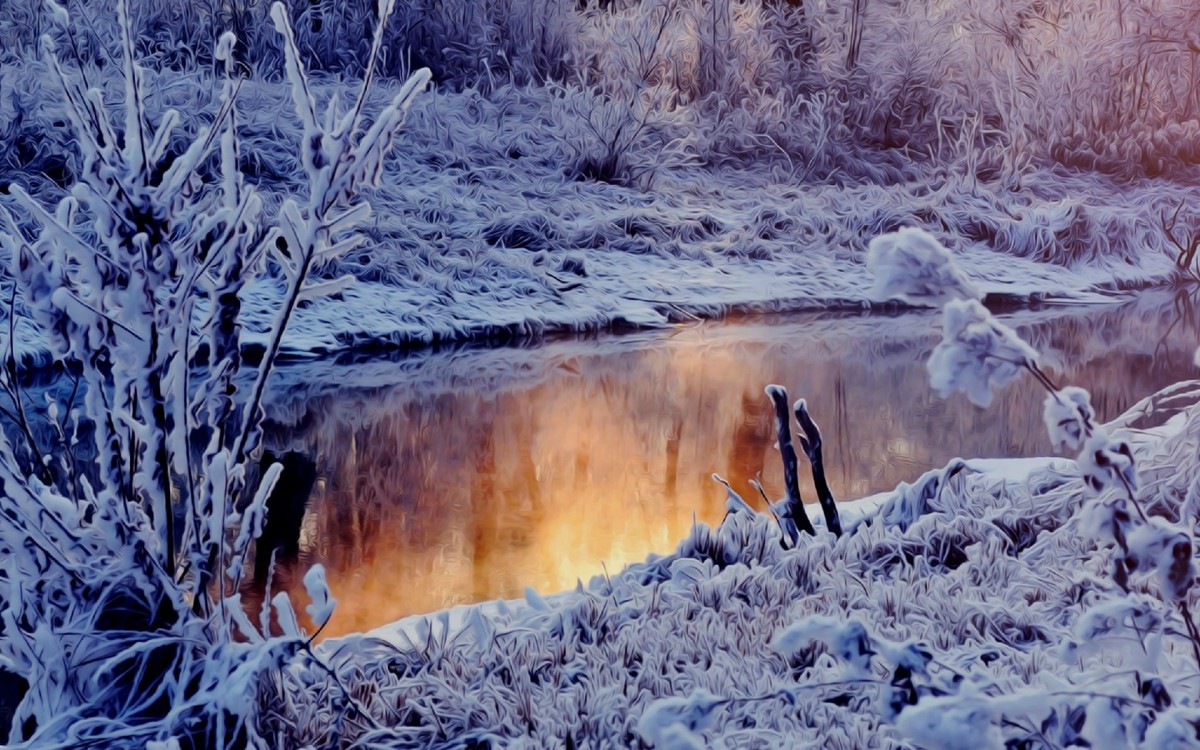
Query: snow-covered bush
(126,541)
(978,354)
(629,90)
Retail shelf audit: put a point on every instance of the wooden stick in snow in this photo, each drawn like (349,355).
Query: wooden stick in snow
(811,442)
(793,510)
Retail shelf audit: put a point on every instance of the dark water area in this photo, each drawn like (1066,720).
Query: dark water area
(459,476)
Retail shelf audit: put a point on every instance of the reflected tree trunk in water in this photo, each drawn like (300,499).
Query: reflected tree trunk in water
(285,513)
(750,440)
(527,429)
(671,476)
(841,426)
(483,494)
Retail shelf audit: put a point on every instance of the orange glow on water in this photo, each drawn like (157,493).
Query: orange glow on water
(594,454)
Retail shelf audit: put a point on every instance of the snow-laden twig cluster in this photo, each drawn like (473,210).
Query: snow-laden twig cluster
(978,354)
(1069,417)
(124,557)
(912,265)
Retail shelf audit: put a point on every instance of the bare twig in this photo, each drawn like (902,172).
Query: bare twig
(771,507)
(1186,245)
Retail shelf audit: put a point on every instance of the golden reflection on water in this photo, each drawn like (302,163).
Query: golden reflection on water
(479,473)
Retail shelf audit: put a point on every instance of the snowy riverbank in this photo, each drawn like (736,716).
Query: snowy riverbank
(480,230)
(647,291)
(464,260)
(629,290)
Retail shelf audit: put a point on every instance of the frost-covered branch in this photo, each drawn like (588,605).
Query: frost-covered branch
(339,162)
(120,605)
(977,355)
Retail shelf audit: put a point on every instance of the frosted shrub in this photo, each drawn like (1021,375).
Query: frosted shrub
(848,641)
(119,599)
(322,606)
(1175,729)
(1161,546)
(985,84)
(620,115)
(976,355)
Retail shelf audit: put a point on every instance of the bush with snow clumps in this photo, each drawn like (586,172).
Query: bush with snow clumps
(978,354)
(913,266)
(119,598)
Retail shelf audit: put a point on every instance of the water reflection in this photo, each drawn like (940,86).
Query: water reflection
(460,476)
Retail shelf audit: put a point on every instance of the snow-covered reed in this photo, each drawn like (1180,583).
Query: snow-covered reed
(126,537)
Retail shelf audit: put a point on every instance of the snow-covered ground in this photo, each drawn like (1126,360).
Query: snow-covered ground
(494,247)
(648,290)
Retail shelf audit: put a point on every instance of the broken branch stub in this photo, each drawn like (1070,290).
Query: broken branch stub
(794,507)
(811,442)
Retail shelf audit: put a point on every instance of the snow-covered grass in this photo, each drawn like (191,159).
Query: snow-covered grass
(600,256)
(572,255)
(759,170)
